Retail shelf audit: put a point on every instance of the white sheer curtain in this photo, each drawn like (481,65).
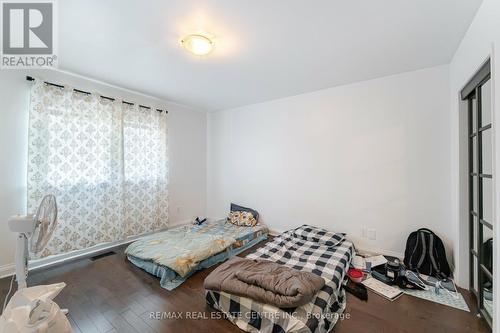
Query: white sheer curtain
(105,161)
(145,170)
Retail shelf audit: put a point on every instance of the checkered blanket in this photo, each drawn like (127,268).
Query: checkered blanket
(293,249)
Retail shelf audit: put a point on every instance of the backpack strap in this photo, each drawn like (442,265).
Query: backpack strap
(429,231)
(434,263)
(424,250)
(410,260)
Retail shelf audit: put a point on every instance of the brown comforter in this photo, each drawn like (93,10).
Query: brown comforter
(265,281)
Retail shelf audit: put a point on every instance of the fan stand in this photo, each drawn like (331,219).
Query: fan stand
(22,263)
(33,233)
(21,260)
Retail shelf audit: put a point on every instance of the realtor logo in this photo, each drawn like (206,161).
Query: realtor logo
(28,30)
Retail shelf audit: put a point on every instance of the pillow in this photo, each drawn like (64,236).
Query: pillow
(318,235)
(235,207)
(242,219)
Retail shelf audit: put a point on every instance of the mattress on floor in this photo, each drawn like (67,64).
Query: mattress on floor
(142,253)
(319,315)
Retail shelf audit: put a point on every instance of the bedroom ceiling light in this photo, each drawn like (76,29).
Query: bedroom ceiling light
(198,45)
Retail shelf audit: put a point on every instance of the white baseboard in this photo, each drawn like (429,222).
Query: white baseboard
(79,254)
(37,264)
(7,270)
(273,233)
(178,223)
(33,265)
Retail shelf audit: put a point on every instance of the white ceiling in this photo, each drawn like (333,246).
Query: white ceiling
(265,49)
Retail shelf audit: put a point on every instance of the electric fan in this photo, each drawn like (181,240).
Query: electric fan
(32,310)
(33,233)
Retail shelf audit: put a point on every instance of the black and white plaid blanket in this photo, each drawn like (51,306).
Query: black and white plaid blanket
(295,249)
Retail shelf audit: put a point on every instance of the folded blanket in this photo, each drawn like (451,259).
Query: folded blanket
(265,281)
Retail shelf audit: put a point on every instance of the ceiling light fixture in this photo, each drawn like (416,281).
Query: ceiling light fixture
(198,45)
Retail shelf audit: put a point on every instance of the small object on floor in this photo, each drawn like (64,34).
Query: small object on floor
(432,281)
(393,273)
(379,273)
(199,221)
(416,279)
(366,264)
(404,283)
(392,270)
(368,268)
(33,310)
(355,275)
(358,290)
(376,260)
(382,289)
(358,262)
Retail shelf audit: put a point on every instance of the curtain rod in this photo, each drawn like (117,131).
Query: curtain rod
(30,78)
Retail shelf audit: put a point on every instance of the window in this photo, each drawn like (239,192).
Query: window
(104,160)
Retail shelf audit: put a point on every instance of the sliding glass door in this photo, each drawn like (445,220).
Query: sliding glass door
(477,93)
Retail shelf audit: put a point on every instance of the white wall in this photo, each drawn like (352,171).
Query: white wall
(187,151)
(13,154)
(481,41)
(372,154)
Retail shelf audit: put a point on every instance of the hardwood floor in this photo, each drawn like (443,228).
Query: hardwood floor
(111,295)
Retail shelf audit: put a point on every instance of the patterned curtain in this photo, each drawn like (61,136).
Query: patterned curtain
(105,161)
(145,170)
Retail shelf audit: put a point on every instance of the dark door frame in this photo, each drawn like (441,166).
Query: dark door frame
(472,93)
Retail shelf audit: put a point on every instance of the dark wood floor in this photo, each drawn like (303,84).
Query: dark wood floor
(111,295)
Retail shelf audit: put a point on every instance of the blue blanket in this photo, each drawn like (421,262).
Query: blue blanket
(175,254)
